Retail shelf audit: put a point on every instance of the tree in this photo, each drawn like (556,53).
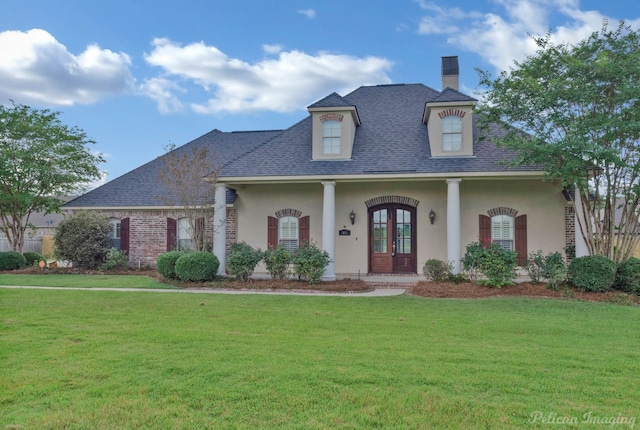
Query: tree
(83,239)
(189,176)
(41,159)
(580,108)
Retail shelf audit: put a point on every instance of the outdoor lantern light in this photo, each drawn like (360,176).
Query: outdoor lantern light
(352,217)
(432,216)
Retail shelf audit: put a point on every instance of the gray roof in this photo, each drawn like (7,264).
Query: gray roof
(391,139)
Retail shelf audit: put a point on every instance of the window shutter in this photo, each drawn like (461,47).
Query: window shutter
(172,226)
(521,239)
(485,229)
(124,235)
(303,230)
(272,232)
(198,234)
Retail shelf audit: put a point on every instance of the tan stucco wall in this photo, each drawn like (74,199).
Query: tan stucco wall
(542,202)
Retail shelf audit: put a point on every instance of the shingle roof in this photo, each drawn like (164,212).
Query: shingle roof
(391,139)
(141,186)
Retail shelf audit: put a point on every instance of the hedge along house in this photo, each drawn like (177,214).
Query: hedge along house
(382,179)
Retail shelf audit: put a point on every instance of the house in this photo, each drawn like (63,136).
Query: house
(383,179)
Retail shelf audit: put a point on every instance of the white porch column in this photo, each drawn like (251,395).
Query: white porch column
(453,223)
(329,228)
(580,244)
(220,227)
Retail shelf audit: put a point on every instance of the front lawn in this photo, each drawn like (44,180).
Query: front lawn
(81,281)
(109,359)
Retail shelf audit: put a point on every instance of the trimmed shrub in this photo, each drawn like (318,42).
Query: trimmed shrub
(166,263)
(309,262)
(495,263)
(116,260)
(437,270)
(551,268)
(592,273)
(277,261)
(197,266)
(12,260)
(242,261)
(33,258)
(83,239)
(628,276)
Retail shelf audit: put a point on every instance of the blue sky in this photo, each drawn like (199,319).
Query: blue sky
(139,75)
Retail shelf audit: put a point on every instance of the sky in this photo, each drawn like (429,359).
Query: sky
(140,75)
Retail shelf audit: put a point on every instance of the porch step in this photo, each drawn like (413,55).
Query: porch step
(394,280)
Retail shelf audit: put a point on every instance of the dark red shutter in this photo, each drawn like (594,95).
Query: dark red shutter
(272,232)
(124,235)
(521,239)
(172,226)
(198,234)
(485,229)
(303,230)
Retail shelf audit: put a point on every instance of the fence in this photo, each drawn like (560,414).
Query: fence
(33,245)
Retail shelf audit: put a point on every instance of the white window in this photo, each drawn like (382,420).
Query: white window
(115,233)
(502,231)
(452,133)
(185,238)
(288,232)
(331,137)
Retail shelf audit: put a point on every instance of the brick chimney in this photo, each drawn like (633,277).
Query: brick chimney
(450,72)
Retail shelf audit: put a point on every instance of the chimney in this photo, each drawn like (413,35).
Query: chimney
(450,72)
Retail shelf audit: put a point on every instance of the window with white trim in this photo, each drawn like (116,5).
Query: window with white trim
(288,232)
(115,232)
(502,231)
(331,131)
(452,133)
(183,233)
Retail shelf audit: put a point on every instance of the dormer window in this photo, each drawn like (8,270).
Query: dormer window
(331,133)
(452,133)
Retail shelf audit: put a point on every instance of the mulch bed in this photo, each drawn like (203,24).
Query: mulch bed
(466,290)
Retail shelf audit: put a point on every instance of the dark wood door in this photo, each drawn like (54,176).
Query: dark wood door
(392,239)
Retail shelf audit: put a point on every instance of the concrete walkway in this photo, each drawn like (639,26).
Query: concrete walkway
(378,292)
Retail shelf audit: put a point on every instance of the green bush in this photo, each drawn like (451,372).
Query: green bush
(277,261)
(11,260)
(116,260)
(166,263)
(242,260)
(551,268)
(309,262)
(83,239)
(197,266)
(628,276)
(33,258)
(492,261)
(437,270)
(592,273)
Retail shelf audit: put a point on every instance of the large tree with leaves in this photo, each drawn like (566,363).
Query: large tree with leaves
(579,105)
(41,159)
(189,176)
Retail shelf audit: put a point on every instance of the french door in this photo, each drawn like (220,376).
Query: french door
(392,239)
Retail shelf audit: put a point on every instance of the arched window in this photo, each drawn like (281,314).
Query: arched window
(288,232)
(115,233)
(452,133)
(502,231)
(331,131)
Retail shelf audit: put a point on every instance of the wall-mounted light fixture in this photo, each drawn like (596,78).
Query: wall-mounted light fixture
(352,217)
(432,216)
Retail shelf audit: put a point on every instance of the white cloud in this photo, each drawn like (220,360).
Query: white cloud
(161,90)
(272,49)
(36,68)
(281,84)
(309,13)
(502,37)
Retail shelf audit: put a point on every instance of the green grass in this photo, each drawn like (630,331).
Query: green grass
(82,281)
(95,359)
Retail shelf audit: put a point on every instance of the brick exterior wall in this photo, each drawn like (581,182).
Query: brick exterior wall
(569,226)
(148,233)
